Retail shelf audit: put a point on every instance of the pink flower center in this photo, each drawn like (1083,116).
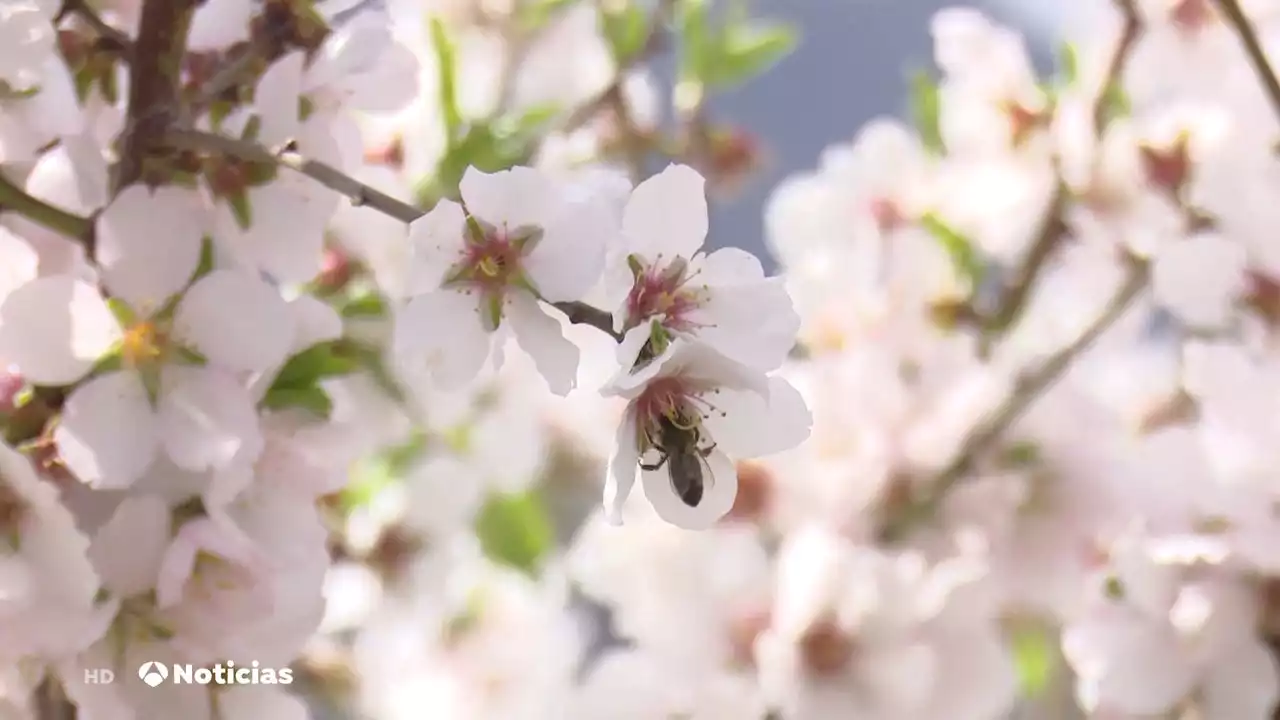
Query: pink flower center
(888,217)
(490,261)
(1191,16)
(673,399)
(663,291)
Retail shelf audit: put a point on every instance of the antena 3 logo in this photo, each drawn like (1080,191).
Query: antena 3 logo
(153,673)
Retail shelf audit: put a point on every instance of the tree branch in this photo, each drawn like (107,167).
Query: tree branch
(56,219)
(155,78)
(1052,229)
(354,190)
(1253,48)
(118,40)
(1027,389)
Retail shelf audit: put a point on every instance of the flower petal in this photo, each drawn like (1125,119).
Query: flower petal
(236,321)
(126,551)
(19,262)
(569,258)
(667,214)
(519,197)
(623,465)
(747,425)
(275,100)
(720,489)
(108,435)
(753,323)
(541,336)
(442,331)
(54,329)
(207,419)
(261,701)
(438,241)
(148,244)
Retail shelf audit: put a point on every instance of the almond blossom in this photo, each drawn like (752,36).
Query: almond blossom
(483,268)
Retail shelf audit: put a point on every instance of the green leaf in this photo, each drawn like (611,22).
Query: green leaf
(370,304)
(626,30)
(926,111)
(205,265)
(122,312)
(1114,103)
(320,361)
(535,14)
(241,209)
(514,530)
(313,399)
(1068,64)
(374,474)
(748,50)
(695,41)
(1035,658)
(447,59)
(961,249)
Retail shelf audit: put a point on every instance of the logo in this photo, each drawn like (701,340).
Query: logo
(99,676)
(153,673)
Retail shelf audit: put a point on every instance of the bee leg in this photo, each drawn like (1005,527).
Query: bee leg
(706,451)
(654,466)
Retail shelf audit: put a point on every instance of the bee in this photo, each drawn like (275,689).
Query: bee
(680,449)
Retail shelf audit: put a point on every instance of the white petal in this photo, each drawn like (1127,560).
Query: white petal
(746,425)
(518,197)
(315,321)
(149,244)
(442,331)
(108,435)
(569,258)
(127,550)
(754,323)
(623,466)
(219,24)
(541,336)
(1244,684)
(54,329)
(276,100)
(236,321)
(19,262)
(286,237)
(1200,277)
(720,489)
(667,214)
(728,266)
(438,242)
(261,701)
(207,419)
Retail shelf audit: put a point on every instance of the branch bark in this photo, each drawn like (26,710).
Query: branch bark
(155,77)
(1236,17)
(354,190)
(1027,389)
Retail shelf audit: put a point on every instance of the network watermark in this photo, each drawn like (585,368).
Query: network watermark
(154,673)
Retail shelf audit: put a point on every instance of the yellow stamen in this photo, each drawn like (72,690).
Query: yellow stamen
(141,344)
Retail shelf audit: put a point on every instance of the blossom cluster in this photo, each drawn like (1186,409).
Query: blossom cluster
(336,337)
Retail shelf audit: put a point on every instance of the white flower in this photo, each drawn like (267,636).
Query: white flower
(56,329)
(697,410)
(47,584)
(482,270)
(29,39)
(660,275)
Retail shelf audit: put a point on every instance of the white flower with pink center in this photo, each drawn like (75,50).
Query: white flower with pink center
(692,413)
(663,285)
(485,266)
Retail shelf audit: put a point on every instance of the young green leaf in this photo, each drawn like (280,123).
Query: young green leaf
(447,59)
(961,249)
(514,530)
(748,50)
(626,30)
(926,111)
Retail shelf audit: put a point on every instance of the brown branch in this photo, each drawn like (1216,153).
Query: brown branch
(1052,229)
(1028,387)
(1253,48)
(115,38)
(354,190)
(155,77)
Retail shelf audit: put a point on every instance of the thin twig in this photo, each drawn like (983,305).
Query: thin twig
(1253,48)
(1027,389)
(354,190)
(1052,229)
(56,219)
(113,35)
